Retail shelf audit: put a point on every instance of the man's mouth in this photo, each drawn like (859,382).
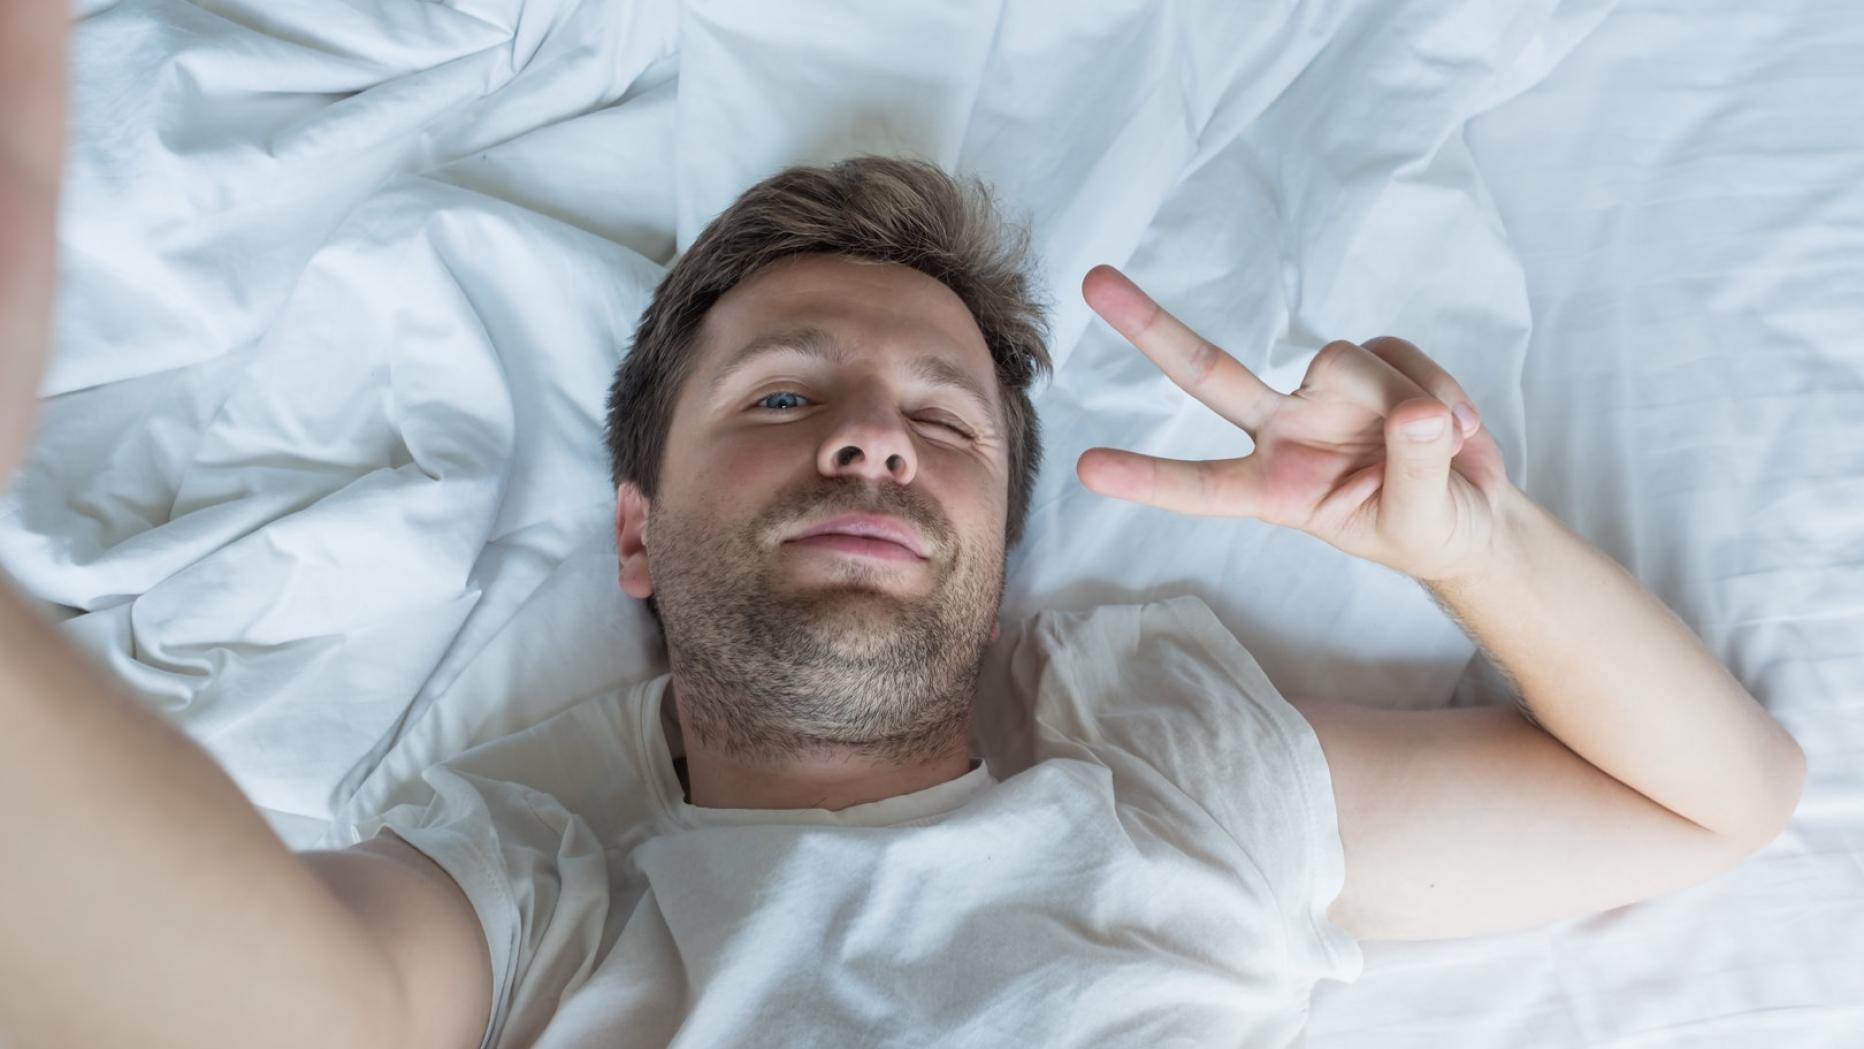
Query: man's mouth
(876,535)
(838,543)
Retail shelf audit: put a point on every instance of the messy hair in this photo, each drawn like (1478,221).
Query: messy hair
(873,208)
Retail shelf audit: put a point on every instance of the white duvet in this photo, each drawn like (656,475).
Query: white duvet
(320,468)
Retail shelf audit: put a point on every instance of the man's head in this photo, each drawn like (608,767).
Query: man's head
(851,339)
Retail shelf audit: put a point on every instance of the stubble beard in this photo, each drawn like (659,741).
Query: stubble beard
(769,667)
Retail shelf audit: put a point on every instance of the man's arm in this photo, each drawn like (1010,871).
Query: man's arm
(32,89)
(1656,772)
(146,903)
(1609,670)
(1651,751)
(143,901)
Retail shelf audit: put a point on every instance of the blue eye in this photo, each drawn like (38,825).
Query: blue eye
(780,393)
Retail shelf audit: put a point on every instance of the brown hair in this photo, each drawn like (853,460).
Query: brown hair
(878,208)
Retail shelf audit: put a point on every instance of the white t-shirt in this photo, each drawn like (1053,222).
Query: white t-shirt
(1145,858)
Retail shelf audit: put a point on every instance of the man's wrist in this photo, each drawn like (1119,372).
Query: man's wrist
(1519,525)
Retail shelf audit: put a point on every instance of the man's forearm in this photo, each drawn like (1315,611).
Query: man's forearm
(32,88)
(1611,671)
(143,901)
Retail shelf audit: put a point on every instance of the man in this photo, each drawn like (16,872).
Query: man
(823,450)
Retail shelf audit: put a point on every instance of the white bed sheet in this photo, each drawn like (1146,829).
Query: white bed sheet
(342,285)
(1685,194)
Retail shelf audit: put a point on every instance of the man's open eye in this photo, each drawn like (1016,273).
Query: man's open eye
(780,393)
(953,427)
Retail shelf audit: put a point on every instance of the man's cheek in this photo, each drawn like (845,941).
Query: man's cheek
(747,471)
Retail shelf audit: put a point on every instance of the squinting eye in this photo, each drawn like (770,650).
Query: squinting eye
(953,427)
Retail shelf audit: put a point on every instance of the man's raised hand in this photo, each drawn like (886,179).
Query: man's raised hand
(1332,459)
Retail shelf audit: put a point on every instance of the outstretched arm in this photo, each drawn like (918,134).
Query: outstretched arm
(32,142)
(143,901)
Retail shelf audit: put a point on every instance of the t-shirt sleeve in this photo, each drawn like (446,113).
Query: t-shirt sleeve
(1169,699)
(534,872)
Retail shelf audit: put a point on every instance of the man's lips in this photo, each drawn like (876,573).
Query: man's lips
(872,529)
(854,544)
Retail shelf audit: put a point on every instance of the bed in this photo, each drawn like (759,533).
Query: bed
(319,470)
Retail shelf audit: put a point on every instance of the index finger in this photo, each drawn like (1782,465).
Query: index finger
(1198,366)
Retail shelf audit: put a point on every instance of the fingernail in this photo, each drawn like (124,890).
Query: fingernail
(1465,417)
(1424,429)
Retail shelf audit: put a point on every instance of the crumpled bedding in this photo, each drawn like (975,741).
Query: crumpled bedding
(320,474)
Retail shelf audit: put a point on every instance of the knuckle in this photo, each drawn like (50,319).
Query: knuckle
(1204,359)
(1379,342)
(1334,354)
(1418,366)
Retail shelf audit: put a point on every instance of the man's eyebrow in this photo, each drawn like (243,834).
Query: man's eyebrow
(818,343)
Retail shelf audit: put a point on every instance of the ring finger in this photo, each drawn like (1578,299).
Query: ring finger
(1356,374)
(1417,365)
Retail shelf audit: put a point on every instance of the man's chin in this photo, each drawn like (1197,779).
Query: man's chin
(849,606)
(853,578)
(841,614)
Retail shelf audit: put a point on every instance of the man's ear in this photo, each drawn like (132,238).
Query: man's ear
(631,540)
(995,629)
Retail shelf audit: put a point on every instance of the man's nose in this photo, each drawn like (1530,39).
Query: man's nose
(875,445)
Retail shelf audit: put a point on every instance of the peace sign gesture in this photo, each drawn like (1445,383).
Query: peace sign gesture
(1332,459)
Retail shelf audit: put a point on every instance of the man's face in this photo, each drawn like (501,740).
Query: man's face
(780,645)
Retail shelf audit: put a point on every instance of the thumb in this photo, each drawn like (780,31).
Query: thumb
(1417,470)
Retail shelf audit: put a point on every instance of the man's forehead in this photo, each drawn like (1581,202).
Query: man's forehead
(840,312)
(859,301)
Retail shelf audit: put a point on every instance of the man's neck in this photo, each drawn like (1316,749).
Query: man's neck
(831,781)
